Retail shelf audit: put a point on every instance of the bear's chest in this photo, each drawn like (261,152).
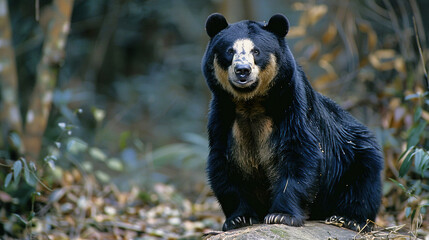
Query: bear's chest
(251,133)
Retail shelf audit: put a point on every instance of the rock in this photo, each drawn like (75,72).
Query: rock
(311,231)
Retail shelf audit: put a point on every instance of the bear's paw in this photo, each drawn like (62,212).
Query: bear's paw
(348,223)
(282,218)
(238,222)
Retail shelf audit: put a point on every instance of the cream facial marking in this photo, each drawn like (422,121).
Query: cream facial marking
(244,54)
(243,58)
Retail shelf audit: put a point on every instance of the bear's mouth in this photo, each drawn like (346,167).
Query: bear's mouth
(244,84)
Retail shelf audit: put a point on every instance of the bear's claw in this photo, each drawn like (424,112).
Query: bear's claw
(350,224)
(282,218)
(238,222)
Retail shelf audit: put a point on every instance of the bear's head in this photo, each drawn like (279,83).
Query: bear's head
(243,58)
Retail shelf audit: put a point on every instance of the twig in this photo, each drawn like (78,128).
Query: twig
(397,28)
(37,9)
(378,14)
(417,15)
(345,29)
(421,53)
(108,28)
(124,225)
(391,165)
(40,181)
(383,233)
(5,165)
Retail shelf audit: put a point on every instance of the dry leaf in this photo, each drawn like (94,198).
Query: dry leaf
(425,115)
(299,6)
(372,36)
(400,65)
(316,13)
(312,51)
(297,31)
(331,56)
(322,81)
(383,60)
(330,34)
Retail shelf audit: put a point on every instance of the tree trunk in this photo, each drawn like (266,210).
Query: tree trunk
(9,111)
(57,29)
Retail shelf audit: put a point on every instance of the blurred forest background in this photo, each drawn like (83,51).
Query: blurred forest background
(103,108)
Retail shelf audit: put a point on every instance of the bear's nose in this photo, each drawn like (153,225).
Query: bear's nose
(242,71)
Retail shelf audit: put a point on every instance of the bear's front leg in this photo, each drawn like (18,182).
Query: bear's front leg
(296,187)
(234,205)
(287,204)
(239,219)
(230,194)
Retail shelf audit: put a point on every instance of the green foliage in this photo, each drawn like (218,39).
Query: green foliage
(189,154)
(416,158)
(18,170)
(21,168)
(76,152)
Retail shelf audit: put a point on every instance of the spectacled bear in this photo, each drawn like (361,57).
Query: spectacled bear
(280,152)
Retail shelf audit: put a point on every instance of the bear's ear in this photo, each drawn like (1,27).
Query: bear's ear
(278,24)
(215,23)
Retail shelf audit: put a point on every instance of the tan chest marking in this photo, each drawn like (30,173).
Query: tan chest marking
(251,132)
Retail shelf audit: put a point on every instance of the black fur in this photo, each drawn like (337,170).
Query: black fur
(215,23)
(324,162)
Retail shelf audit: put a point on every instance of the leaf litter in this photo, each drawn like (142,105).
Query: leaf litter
(81,208)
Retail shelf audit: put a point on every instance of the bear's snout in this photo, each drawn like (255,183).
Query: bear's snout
(242,71)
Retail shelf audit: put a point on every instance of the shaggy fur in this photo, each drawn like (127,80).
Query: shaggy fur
(280,152)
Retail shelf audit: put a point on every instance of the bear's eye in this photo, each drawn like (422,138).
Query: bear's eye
(256,52)
(230,51)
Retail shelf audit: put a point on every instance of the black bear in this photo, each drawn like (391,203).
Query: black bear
(280,152)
